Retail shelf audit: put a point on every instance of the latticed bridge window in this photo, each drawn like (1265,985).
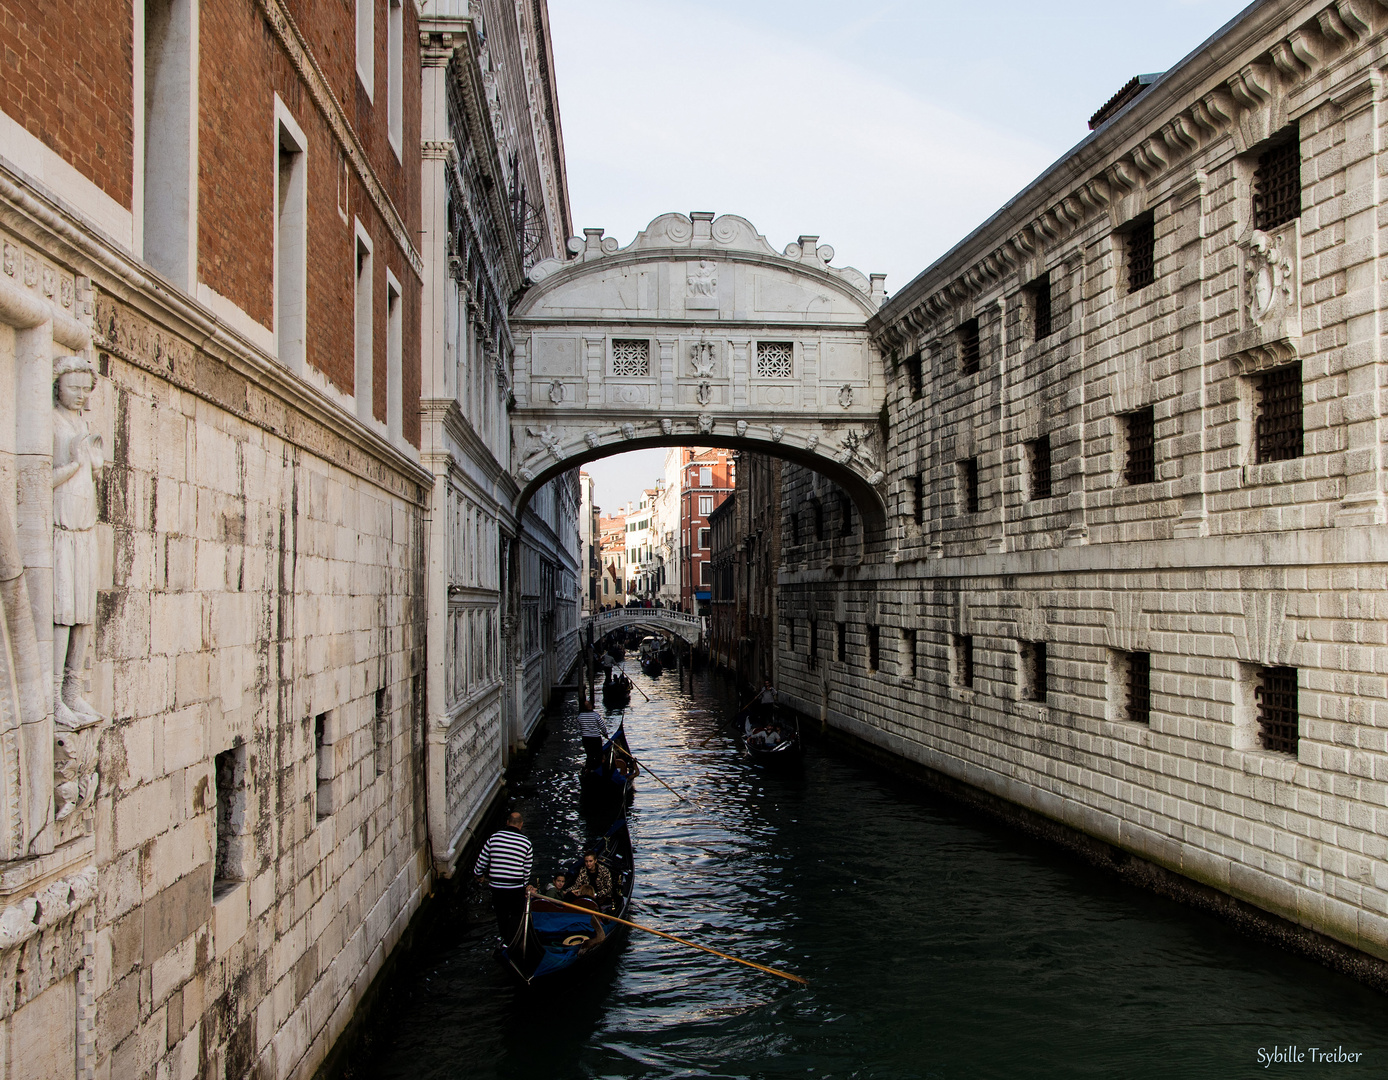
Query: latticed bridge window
(631,356)
(1279,429)
(1277,185)
(775,360)
(1279,712)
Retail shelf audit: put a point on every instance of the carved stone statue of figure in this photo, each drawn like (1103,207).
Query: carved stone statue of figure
(703,279)
(77,458)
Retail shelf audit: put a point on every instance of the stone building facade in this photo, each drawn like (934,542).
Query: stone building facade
(214,822)
(502,581)
(1135,474)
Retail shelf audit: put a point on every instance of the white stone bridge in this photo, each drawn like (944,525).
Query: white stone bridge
(675,623)
(699,332)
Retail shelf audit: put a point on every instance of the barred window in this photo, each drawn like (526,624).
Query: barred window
(841,629)
(845,514)
(631,356)
(1039,459)
(874,641)
(964,660)
(968,347)
(1040,293)
(814,644)
(1034,669)
(915,376)
(1277,185)
(1279,428)
(1141,245)
(775,360)
(1141,466)
(1279,712)
(918,498)
(968,485)
(1139,678)
(908,649)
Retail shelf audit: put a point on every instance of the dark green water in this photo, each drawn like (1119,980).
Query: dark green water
(937,944)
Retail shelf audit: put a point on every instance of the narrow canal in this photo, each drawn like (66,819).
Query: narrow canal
(936,944)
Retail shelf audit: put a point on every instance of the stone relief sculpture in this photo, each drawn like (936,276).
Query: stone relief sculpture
(703,279)
(78,456)
(25,744)
(703,360)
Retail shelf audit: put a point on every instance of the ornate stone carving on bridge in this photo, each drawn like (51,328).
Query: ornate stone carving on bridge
(703,359)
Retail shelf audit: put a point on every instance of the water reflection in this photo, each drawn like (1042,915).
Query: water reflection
(936,944)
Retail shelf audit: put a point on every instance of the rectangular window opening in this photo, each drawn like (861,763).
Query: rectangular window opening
(918,498)
(968,486)
(229,777)
(1280,435)
(1140,241)
(814,644)
(169,169)
(908,650)
(365,328)
(366,46)
(380,734)
(964,660)
(968,347)
(1039,292)
(631,357)
(841,636)
(1279,710)
(1034,660)
(874,641)
(1141,464)
(775,360)
(1039,460)
(845,514)
(323,754)
(395,74)
(1277,182)
(1139,688)
(705,538)
(395,397)
(291,248)
(915,376)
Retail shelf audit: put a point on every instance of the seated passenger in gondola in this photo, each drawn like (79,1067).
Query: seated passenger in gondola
(773,737)
(556,889)
(594,881)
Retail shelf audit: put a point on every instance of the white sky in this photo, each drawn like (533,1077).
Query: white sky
(889,128)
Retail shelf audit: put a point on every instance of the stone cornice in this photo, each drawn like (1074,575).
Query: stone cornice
(1264,57)
(300,56)
(115,273)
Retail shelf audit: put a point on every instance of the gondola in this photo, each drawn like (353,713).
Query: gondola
(553,941)
(786,754)
(650,658)
(616,690)
(611,785)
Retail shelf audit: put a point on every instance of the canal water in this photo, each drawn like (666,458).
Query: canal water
(936,944)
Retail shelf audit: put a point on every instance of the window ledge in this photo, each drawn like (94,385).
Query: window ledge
(231,912)
(1274,472)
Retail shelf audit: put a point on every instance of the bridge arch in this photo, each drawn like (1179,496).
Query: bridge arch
(672,624)
(699,332)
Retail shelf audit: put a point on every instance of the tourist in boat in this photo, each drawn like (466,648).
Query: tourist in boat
(556,889)
(504,867)
(594,881)
(593,732)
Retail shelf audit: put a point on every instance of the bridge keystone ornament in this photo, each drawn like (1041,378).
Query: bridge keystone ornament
(774,339)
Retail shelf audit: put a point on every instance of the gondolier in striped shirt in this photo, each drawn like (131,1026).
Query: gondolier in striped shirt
(504,865)
(594,733)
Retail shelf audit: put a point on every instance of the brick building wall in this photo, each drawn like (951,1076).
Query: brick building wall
(1130,577)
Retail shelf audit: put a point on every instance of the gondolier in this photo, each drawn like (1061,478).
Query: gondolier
(504,865)
(593,732)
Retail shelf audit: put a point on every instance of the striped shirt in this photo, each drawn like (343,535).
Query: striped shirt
(590,725)
(505,860)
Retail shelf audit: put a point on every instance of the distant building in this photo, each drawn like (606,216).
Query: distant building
(612,580)
(590,535)
(706,479)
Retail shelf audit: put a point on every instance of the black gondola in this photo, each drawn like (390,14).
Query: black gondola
(785,752)
(554,941)
(616,690)
(611,783)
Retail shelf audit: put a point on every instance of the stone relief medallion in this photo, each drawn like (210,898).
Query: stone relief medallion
(705,423)
(556,392)
(591,438)
(667,426)
(1268,277)
(845,395)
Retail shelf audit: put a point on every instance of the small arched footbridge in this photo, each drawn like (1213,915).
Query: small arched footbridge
(678,623)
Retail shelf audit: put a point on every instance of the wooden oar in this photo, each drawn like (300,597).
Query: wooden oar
(682,798)
(682,941)
(638,689)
